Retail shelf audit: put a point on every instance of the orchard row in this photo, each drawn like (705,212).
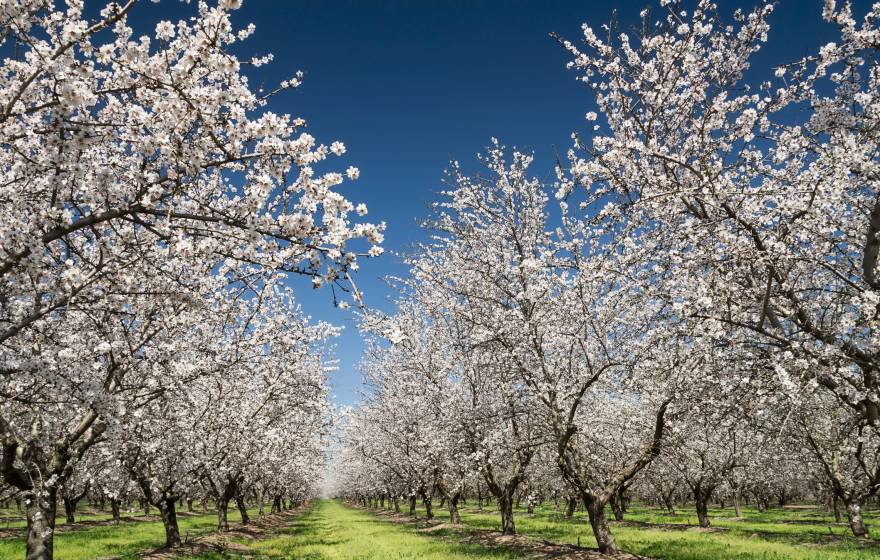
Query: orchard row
(688,311)
(151,208)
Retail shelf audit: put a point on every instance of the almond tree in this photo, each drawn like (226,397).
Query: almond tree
(767,225)
(537,302)
(255,372)
(141,174)
(759,192)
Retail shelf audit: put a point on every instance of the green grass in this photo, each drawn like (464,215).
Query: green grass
(332,531)
(11,518)
(110,541)
(773,535)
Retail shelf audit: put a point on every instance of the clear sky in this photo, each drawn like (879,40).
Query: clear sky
(408,85)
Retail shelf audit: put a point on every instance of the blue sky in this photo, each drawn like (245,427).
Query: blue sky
(408,85)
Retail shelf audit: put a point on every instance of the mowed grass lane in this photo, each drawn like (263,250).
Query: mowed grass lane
(333,531)
(124,541)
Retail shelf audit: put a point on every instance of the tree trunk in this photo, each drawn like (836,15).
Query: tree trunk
(669,502)
(702,504)
(222,514)
(429,507)
(40,509)
(571,506)
(69,510)
(856,522)
(737,503)
(242,508)
(452,504)
(114,507)
(505,506)
(596,512)
(189,505)
(396,501)
(169,520)
(616,508)
(412,505)
(835,504)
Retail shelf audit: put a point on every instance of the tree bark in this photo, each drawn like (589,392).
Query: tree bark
(40,508)
(429,506)
(702,505)
(737,503)
(452,504)
(571,506)
(242,508)
(669,502)
(596,512)
(616,507)
(835,505)
(412,504)
(505,506)
(856,521)
(223,514)
(69,510)
(114,507)
(169,520)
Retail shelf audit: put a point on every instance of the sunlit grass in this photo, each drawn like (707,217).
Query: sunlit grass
(789,534)
(124,541)
(332,531)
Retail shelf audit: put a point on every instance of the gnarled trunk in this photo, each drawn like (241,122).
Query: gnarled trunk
(169,521)
(856,521)
(596,512)
(242,508)
(69,510)
(835,505)
(223,513)
(570,506)
(412,504)
(669,503)
(702,494)
(114,507)
(429,507)
(702,505)
(452,505)
(505,506)
(40,508)
(616,507)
